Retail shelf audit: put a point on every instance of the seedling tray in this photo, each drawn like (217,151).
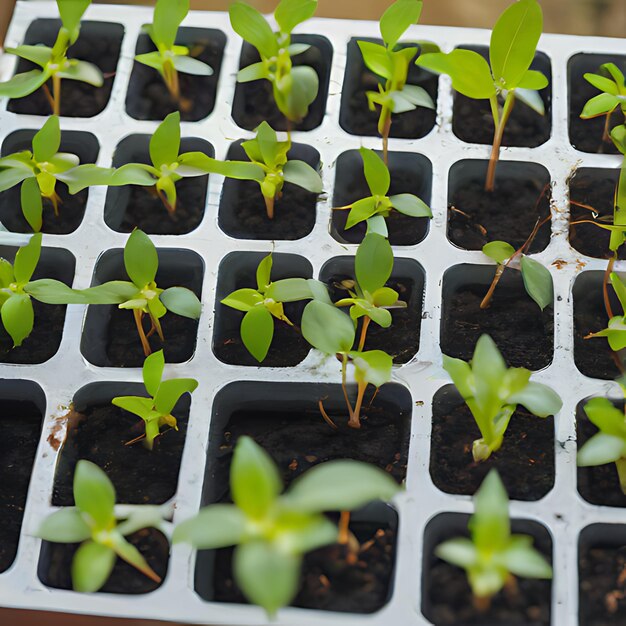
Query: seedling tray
(211,256)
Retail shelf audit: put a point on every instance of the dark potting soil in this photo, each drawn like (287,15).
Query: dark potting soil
(149,99)
(587,135)
(509,213)
(355,116)
(598,484)
(18,445)
(99,43)
(55,564)
(594,188)
(254,102)
(522,331)
(472,120)
(602,585)
(525,461)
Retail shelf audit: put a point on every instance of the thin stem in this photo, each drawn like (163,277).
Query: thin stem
(170,209)
(49,98)
(482,603)
(325,415)
(497,140)
(269,206)
(385,135)
(138,314)
(621,472)
(606,135)
(605,286)
(171,80)
(496,279)
(156,324)
(366,323)
(355,421)
(56,89)
(344,367)
(344,523)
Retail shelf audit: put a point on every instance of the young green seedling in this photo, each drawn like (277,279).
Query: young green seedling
(268,166)
(392,66)
(615,332)
(94,523)
(369,298)
(53,61)
(492,392)
(169,59)
(294,88)
(493,556)
(332,332)
(379,204)
(608,445)
(271,531)
(511,51)
(156,410)
(263,304)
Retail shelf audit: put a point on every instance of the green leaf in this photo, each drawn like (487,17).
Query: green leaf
(303,91)
(490,525)
(11,176)
(38,54)
(302,174)
(514,40)
(326,328)
(530,98)
(319,291)
(215,526)
(129,553)
(190,65)
(152,371)
(361,210)
(131,174)
(94,495)
(373,262)
(416,96)
(181,301)
(372,367)
(6,273)
(23,84)
(521,559)
(166,185)
(385,296)
(151,59)
(295,49)
(32,206)
(71,12)
(64,526)
(537,282)
(170,392)
(50,291)
(257,331)
(459,551)
(601,449)
(263,273)
(255,483)
(142,407)
(243,299)
(113,292)
(250,25)
(165,143)
(397,18)
(377,59)
(410,205)
(376,172)
(26,259)
(18,317)
(168,14)
(290,13)
(499,251)
(607,417)
(602,83)
(91,567)
(538,399)
(84,72)
(242,170)
(599,105)
(289,290)
(140,259)
(46,141)
(83,176)
(534,80)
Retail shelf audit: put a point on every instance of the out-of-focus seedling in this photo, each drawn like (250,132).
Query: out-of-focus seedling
(492,392)
(392,66)
(271,531)
(493,556)
(511,51)
(615,332)
(94,523)
(53,61)
(156,410)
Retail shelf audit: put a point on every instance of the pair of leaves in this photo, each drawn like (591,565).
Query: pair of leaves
(611,83)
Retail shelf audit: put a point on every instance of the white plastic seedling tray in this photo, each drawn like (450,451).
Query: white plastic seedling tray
(562,510)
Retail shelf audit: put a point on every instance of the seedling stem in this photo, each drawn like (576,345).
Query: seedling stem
(56,88)
(500,124)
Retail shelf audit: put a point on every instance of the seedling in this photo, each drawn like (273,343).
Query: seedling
(492,392)
(493,556)
(156,410)
(94,523)
(271,531)
(615,333)
(379,204)
(141,294)
(263,304)
(332,332)
(511,51)
(169,58)
(392,66)
(53,61)
(294,88)
(369,298)
(268,166)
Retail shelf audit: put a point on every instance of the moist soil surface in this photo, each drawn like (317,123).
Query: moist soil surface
(18,445)
(522,331)
(525,461)
(254,101)
(100,434)
(55,564)
(78,99)
(602,571)
(149,98)
(508,213)
(596,189)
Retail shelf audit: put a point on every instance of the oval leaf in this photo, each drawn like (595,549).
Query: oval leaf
(326,328)
(257,331)
(140,259)
(537,282)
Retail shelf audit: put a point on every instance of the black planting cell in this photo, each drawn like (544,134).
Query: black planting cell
(133,206)
(242,212)
(22,406)
(525,461)
(401,340)
(254,101)
(110,337)
(238,271)
(593,356)
(522,331)
(355,116)
(99,43)
(587,135)
(472,120)
(447,596)
(43,343)
(508,213)
(149,99)
(410,173)
(71,207)
(99,432)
